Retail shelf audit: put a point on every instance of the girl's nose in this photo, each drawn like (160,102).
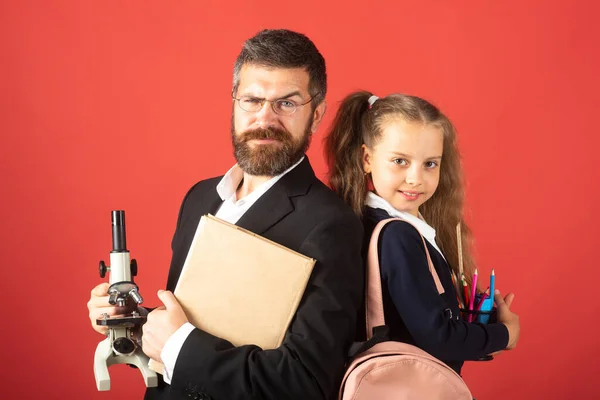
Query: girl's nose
(414,176)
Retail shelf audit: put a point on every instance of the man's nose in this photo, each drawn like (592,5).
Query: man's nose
(266,117)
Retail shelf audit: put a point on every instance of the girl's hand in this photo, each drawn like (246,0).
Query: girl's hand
(508,318)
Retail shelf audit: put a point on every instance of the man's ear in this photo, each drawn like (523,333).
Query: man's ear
(366,159)
(318,116)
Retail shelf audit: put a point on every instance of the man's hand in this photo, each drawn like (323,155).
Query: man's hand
(98,305)
(162,322)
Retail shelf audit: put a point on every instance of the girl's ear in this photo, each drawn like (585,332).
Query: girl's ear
(366,159)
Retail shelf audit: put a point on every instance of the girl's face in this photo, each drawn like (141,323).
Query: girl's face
(405,163)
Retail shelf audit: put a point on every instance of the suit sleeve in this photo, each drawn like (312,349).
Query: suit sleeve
(310,362)
(405,271)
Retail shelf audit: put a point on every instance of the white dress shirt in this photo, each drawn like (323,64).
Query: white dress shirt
(375,201)
(231,211)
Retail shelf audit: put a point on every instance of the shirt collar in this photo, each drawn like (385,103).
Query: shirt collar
(231,181)
(375,201)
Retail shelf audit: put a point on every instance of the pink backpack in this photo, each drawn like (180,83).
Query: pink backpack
(388,370)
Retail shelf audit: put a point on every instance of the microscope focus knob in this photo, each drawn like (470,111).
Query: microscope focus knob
(102,269)
(133,267)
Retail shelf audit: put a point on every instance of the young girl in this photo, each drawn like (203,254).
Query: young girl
(404,149)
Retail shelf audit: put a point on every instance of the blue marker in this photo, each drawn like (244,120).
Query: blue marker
(488,304)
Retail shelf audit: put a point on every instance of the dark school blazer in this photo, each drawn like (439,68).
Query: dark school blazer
(414,310)
(301,213)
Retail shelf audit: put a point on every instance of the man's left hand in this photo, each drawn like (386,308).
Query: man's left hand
(162,322)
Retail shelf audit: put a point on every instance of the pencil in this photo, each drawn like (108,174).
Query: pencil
(492,283)
(460,255)
(473,290)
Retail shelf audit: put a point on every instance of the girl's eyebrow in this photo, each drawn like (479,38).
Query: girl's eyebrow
(407,156)
(396,153)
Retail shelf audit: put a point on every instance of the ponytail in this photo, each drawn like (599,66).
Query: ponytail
(343,151)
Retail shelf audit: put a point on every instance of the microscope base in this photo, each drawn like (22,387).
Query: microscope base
(105,357)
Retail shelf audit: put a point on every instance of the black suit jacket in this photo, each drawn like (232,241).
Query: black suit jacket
(301,213)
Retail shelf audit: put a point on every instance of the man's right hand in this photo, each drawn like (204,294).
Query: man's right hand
(508,318)
(99,305)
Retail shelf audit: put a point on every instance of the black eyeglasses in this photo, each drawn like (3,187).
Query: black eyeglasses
(280,106)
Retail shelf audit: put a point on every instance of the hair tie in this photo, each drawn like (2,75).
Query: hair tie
(372,101)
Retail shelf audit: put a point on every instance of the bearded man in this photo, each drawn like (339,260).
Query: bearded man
(279,87)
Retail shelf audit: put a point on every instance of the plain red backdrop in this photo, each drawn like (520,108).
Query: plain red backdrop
(125,105)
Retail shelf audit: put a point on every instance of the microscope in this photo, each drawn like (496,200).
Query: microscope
(123,343)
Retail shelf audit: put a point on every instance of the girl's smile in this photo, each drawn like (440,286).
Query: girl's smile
(410,195)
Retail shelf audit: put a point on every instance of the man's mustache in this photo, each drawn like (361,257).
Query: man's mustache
(266,134)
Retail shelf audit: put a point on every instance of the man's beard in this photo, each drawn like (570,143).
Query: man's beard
(269,159)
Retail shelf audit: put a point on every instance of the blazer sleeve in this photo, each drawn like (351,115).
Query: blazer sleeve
(310,362)
(405,271)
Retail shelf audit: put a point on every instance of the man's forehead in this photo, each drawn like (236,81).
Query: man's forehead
(266,79)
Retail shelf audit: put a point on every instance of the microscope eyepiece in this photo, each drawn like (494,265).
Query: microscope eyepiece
(118,230)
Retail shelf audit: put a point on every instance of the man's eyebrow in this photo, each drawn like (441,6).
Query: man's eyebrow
(287,96)
(292,94)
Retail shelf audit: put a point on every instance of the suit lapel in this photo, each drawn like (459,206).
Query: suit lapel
(207,204)
(276,203)
(210,204)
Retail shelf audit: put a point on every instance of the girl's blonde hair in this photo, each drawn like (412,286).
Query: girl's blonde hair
(357,122)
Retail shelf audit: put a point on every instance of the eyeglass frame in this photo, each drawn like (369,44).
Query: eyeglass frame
(263,101)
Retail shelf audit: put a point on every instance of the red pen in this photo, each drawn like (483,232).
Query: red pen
(465,290)
(483,297)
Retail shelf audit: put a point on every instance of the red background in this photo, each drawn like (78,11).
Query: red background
(124,105)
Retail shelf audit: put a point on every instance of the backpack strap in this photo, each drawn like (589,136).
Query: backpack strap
(373,295)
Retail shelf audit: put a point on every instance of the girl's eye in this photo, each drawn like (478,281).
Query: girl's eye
(400,161)
(431,164)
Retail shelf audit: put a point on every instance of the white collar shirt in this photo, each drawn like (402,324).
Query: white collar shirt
(232,209)
(428,232)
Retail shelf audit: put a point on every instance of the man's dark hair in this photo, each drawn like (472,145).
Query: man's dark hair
(282,48)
